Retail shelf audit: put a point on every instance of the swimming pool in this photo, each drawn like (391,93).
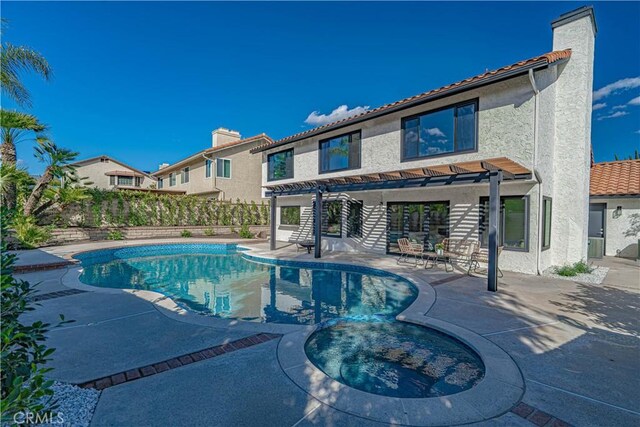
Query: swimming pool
(217,280)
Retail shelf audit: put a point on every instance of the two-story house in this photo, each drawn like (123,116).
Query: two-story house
(502,157)
(225,171)
(108,173)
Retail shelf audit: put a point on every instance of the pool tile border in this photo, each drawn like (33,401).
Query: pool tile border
(178,361)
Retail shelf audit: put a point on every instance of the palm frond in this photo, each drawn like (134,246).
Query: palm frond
(15,60)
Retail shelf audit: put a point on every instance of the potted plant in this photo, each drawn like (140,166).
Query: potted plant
(439,248)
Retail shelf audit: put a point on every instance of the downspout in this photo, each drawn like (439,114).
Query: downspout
(214,174)
(536,92)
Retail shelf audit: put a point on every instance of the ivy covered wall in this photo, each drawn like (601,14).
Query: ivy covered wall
(105,208)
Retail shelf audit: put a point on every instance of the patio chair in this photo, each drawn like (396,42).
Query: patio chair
(482,257)
(408,249)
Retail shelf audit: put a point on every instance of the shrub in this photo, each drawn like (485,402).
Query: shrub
(245,233)
(24,354)
(209,232)
(30,234)
(570,270)
(582,267)
(566,270)
(186,233)
(115,235)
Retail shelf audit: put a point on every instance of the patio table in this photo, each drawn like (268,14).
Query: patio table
(307,244)
(434,257)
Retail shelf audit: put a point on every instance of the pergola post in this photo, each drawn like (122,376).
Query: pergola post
(272,223)
(318,231)
(495,178)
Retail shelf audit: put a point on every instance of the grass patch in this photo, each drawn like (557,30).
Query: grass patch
(570,270)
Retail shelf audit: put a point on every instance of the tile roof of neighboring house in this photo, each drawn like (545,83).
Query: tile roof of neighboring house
(487,77)
(619,178)
(93,159)
(213,150)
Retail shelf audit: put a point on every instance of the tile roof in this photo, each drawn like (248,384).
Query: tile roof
(213,150)
(545,59)
(620,178)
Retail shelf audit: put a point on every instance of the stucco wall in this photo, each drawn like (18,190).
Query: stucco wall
(244,184)
(96,170)
(621,231)
(464,218)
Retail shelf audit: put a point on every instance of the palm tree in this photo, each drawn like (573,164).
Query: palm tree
(13,61)
(17,127)
(58,166)
(63,192)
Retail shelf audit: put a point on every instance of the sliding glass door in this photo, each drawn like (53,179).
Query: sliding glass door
(420,222)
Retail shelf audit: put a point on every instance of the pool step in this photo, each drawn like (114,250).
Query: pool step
(176,362)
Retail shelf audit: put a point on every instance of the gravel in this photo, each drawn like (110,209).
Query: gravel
(75,404)
(596,276)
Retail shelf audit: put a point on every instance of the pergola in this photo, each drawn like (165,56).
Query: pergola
(493,171)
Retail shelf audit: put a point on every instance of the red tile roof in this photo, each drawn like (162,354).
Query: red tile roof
(545,59)
(620,178)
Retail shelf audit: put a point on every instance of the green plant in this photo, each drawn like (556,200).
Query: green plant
(28,232)
(439,246)
(186,233)
(245,232)
(570,270)
(582,267)
(566,271)
(232,229)
(209,232)
(115,235)
(23,352)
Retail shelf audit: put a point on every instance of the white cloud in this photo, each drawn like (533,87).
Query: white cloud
(599,106)
(634,101)
(618,86)
(618,107)
(614,115)
(342,112)
(638,131)
(435,132)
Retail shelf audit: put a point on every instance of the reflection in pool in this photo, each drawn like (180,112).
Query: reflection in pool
(216,280)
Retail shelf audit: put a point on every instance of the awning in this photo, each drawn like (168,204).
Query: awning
(471,172)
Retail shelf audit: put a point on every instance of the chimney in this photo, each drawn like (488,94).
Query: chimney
(163,165)
(575,30)
(222,136)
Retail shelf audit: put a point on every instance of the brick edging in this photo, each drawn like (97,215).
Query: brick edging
(537,417)
(18,269)
(176,362)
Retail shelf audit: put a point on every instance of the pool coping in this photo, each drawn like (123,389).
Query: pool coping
(501,388)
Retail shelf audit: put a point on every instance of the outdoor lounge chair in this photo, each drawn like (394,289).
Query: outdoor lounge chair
(303,244)
(408,249)
(461,254)
(482,257)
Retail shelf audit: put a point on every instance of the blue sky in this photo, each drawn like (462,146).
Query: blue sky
(147,82)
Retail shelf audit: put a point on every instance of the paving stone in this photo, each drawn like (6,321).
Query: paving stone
(523,410)
(118,378)
(147,370)
(161,367)
(174,363)
(103,383)
(185,360)
(539,418)
(132,374)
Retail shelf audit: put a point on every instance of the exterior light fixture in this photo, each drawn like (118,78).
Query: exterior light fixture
(619,210)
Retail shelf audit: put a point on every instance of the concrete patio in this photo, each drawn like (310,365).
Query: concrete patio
(577,346)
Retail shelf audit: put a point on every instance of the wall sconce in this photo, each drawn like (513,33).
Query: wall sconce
(618,211)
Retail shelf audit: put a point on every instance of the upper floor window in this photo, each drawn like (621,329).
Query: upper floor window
(125,180)
(340,153)
(172,179)
(185,175)
(444,131)
(280,165)
(223,168)
(160,183)
(138,181)
(112,180)
(207,168)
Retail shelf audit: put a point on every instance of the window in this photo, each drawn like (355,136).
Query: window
(160,183)
(138,181)
(546,223)
(332,218)
(223,168)
(290,215)
(420,222)
(172,179)
(207,168)
(513,232)
(354,219)
(448,130)
(112,180)
(340,153)
(280,165)
(185,175)
(125,180)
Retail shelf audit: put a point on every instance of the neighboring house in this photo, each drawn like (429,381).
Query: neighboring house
(108,173)
(614,209)
(421,167)
(226,171)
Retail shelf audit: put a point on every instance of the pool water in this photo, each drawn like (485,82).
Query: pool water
(216,280)
(394,359)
